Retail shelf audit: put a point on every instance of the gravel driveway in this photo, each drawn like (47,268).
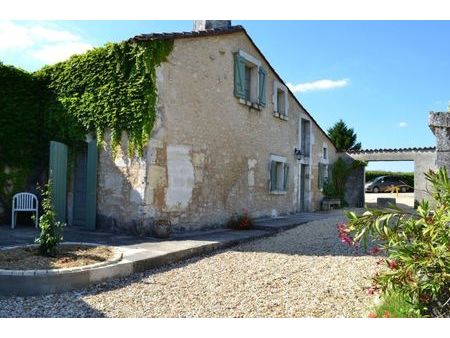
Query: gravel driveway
(303,272)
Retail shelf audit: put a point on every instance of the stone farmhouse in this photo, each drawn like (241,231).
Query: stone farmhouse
(229,135)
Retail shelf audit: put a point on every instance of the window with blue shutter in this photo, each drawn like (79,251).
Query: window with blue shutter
(279,174)
(249,80)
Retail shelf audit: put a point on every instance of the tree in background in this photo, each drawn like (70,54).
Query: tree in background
(343,137)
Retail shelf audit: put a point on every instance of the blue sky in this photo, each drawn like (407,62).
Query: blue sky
(381,77)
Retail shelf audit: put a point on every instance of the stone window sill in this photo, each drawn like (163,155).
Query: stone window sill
(280,116)
(278,192)
(251,104)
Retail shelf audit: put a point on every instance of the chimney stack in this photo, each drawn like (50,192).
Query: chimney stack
(201,25)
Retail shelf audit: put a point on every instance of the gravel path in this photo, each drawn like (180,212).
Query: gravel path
(303,272)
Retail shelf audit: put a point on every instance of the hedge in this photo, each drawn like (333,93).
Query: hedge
(408,177)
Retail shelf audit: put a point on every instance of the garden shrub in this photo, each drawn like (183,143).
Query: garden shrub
(50,230)
(394,305)
(340,172)
(417,246)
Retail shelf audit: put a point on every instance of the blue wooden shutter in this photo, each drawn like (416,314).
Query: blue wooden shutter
(58,176)
(91,185)
(262,86)
(286,176)
(239,76)
(273,176)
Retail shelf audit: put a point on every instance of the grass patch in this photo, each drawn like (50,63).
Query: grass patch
(395,305)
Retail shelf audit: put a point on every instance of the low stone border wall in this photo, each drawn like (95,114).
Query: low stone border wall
(36,282)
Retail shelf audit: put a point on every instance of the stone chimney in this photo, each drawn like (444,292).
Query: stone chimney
(201,25)
(439,123)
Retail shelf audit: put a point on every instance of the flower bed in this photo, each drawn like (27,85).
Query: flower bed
(66,256)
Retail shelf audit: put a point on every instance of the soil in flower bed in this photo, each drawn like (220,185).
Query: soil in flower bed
(67,256)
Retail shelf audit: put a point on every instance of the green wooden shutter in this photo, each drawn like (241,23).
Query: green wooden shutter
(262,86)
(273,176)
(286,176)
(58,176)
(330,172)
(91,185)
(239,76)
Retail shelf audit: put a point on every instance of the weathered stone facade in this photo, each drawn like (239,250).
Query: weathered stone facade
(209,154)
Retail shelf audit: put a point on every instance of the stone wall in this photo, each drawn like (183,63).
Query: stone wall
(209,154)
(440,125)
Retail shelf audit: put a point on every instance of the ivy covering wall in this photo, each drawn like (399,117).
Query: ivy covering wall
(110,88)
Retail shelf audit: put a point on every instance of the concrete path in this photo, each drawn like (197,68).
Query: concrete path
(27,234)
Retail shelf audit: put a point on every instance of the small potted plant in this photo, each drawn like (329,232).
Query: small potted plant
(162,228)
(241,221)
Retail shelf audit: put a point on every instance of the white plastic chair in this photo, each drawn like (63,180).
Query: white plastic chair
(24,201)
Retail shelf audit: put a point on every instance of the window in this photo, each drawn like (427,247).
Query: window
(305,137)
(280,100)
(249,80)
(279,174)
(325,153)
(324,174)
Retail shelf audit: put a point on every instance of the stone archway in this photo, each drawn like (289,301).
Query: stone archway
(424,159)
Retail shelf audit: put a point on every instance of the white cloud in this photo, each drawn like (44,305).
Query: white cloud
(402,124)
(59,52)
(48,45)
(317,85)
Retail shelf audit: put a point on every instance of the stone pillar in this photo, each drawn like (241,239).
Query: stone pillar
(439,123)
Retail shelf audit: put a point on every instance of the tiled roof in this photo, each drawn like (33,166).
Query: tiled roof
(178,35)
(391,150)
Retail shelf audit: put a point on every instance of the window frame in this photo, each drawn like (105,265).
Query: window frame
(278,86)
(282,187)
(255,100)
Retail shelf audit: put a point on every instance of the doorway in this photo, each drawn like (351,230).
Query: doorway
(85,186)
(79,187)
(303,188)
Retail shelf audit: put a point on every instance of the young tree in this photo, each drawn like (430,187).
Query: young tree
(344,138)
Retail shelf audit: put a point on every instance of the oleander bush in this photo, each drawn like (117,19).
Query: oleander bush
(417,248)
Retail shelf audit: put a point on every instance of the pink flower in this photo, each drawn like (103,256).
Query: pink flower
(392,264)
(375,251)
(372,315)
(371,291)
